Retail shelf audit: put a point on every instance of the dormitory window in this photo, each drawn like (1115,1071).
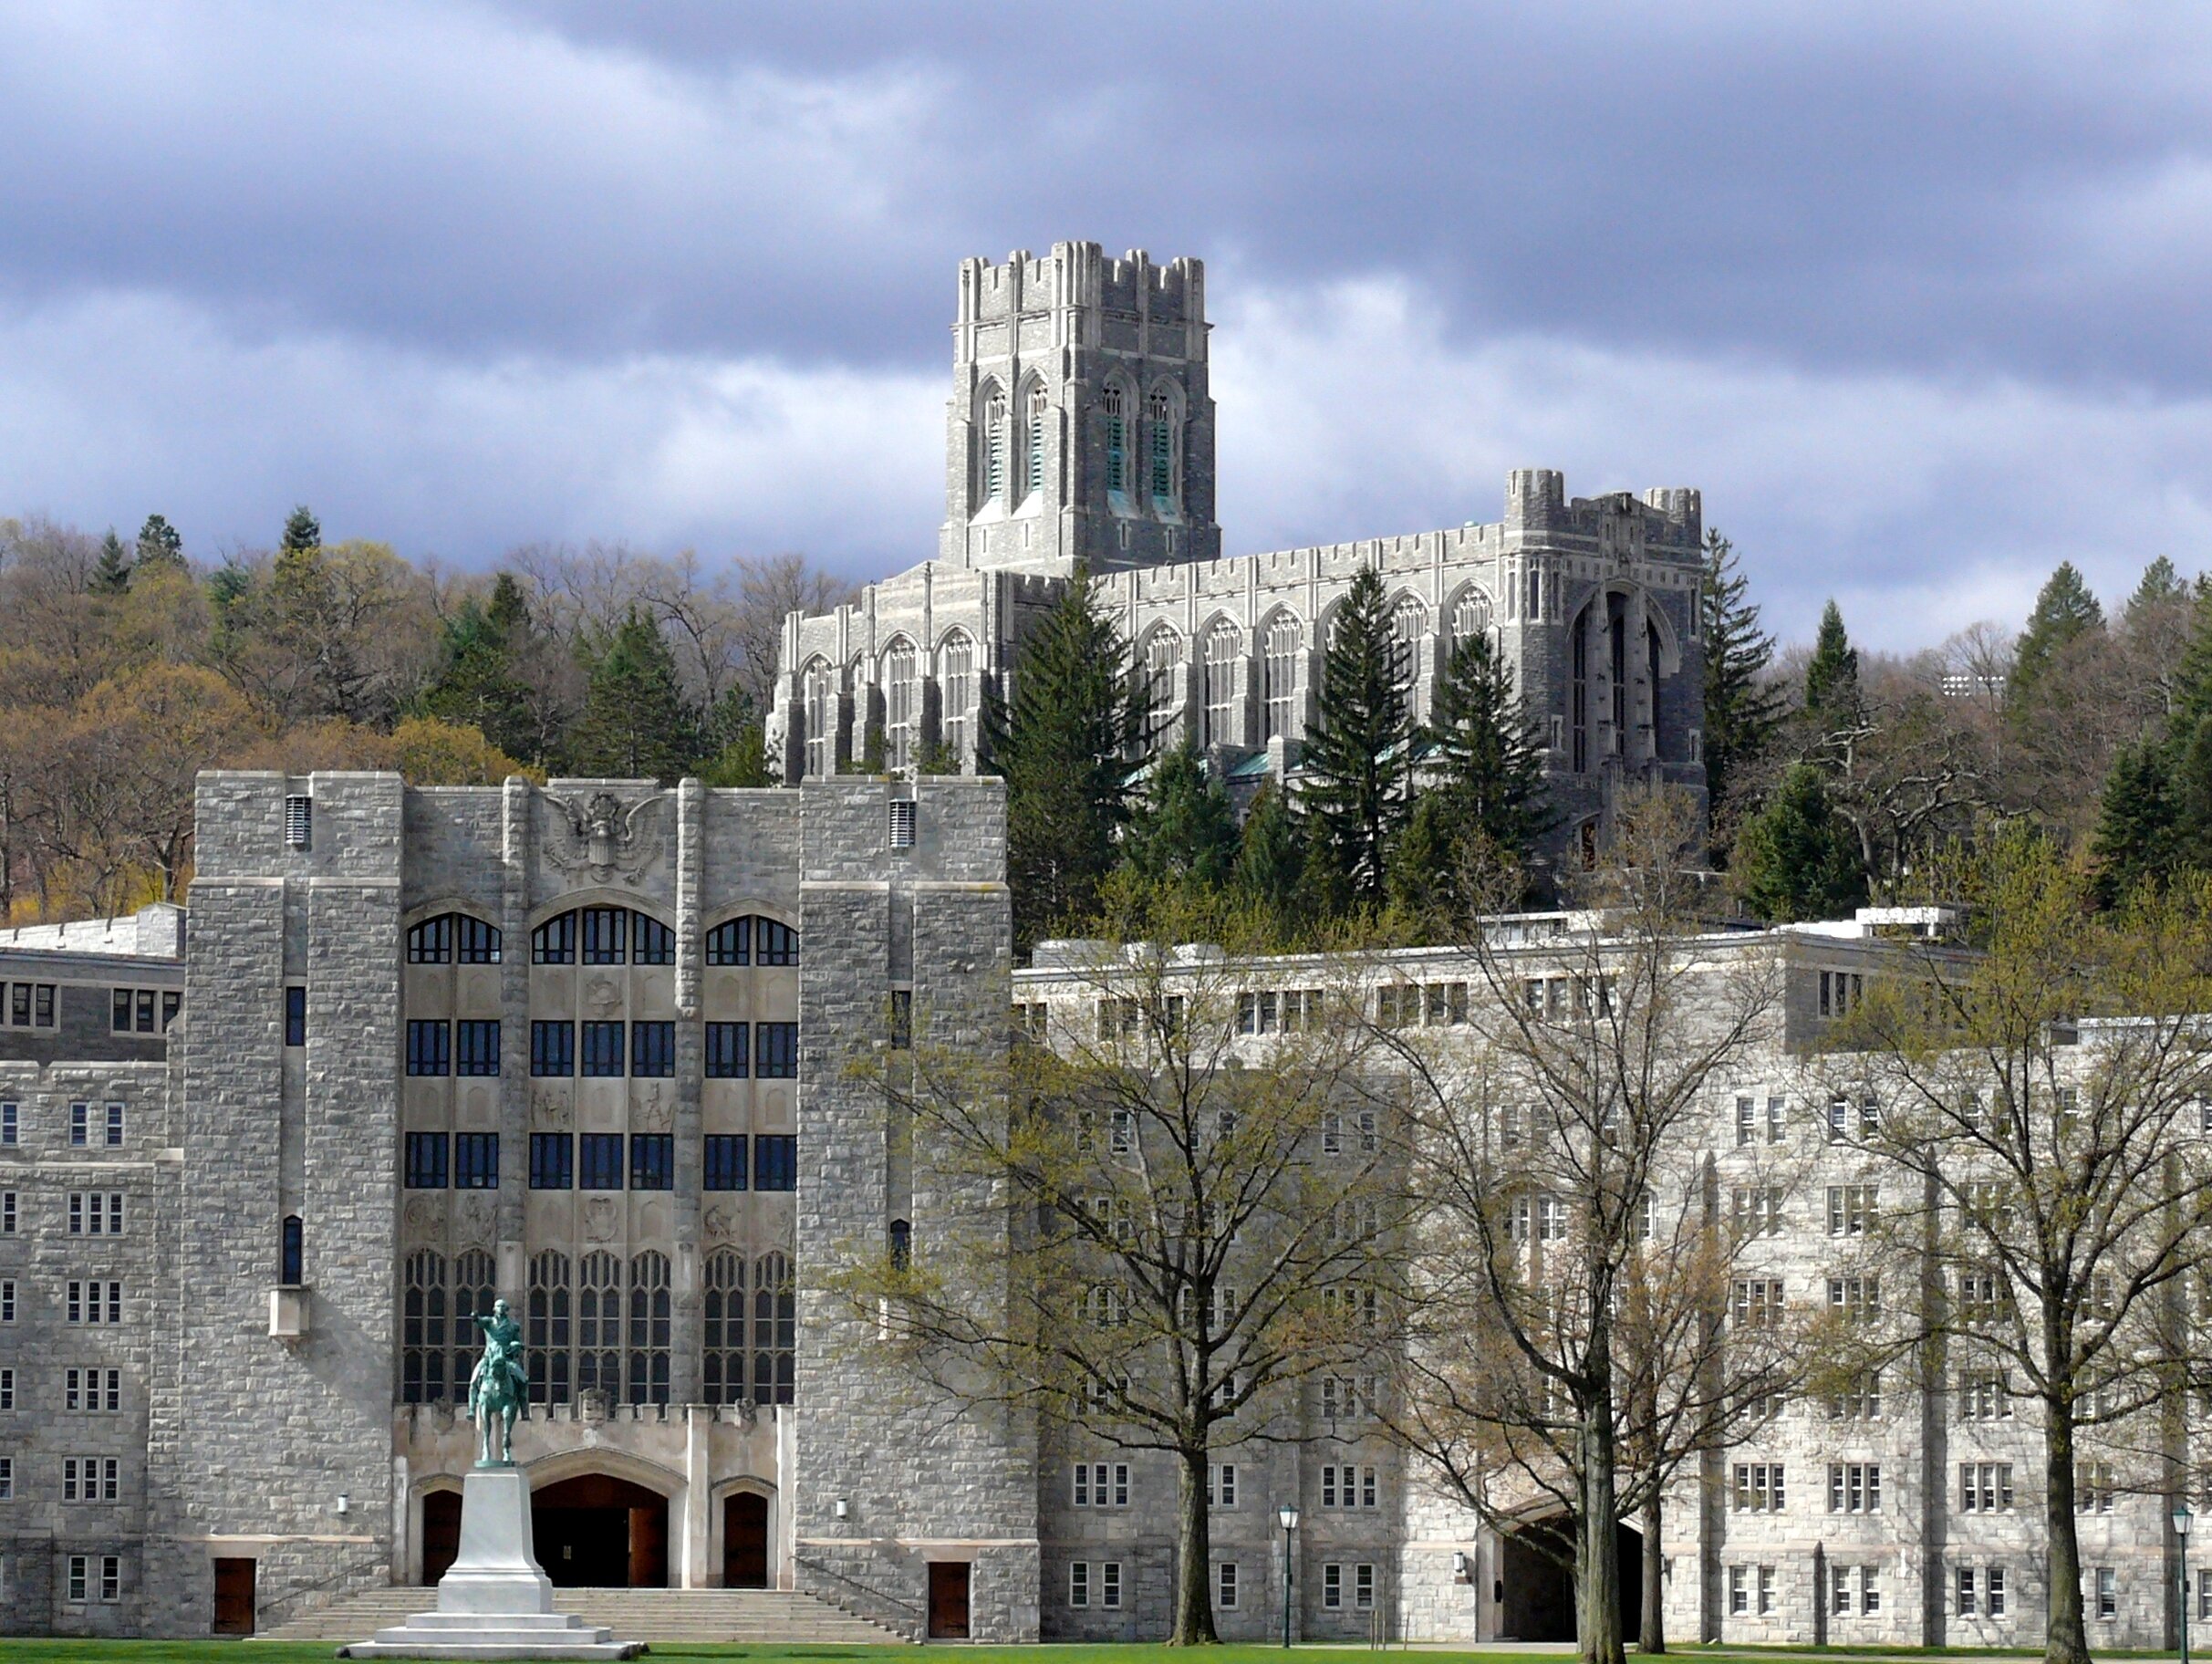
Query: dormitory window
(135,1010)
(600,1156)
(426,1154)
(551,1162)
(1840,991)
(92,1391)
(1101,1485)
(428,1046)
(11,1124)
(1841,1579)
(1347,1487)
(1852,1209)
(1991,1601)
(1759,1487)
(92,1124)
(726,1166)
(1985,1487)
(110,1586)
(1078,1583)
(31,1004)
(7,1389)
(93,1301)
(476,1161)
(736,942)
(652,1161)
(1739,1592)
(1221,1484)
(602,1049)
(1859,1399)
(7,1300)
(652,1050)
(1854,1487)
(7,1212)
(295,1015)
(89,1479)
(91,1212)
(1225,1586)
(476,1046)
(1858,1299)
(553,1048)
(1984,1394)
(1118,440)
(2108,1592)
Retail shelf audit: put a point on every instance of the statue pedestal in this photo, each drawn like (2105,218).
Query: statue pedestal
(495,1602)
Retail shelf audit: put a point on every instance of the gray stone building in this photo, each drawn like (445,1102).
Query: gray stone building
(1080,432)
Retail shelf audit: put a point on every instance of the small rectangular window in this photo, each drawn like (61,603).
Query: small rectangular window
(1966,1591)
(476,1046)
(902,824)
(144,1010)
(551,1162)
(172,1002)
(1739,1591)
(42,1006)
(2108,1592)
(652,1160)
(11,1124)
(775,1051)
(7,1389)
(476,1161)
(80,1572)
(7,1300)
(726,1168)
(110,1570)
(80,1124)
(1078,1583)
(1766,1591)
(1225,1586)
(292,1253)
(121,1019)
(428,1046)
(1363,1587)
(7,1212)
(1109,1583)
(1993,1586)
(602,1050)
(115,1124)
(776,1162)
(426,1154)
(295,1015)
(20,1004)
(299,821)
(553,1048)
(729,1051)
(652,1050)
(902,1019)
(600,1155)
(1332,1586)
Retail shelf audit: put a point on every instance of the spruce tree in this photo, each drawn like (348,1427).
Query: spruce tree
(302,531)
(1270,857)
(1743,710)
(1831,676)
(476,681)
(112,575)
(637,722)
(1183,832)
(1795,859)
(1355,758)
(2160,585)
(2134,842)
(1484,761)
(1063,747)
(2064,613)
(160,544)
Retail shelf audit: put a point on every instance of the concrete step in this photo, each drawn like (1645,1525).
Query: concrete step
(758,1616)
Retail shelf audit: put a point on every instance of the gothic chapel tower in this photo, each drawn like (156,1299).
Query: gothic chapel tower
(1080,427)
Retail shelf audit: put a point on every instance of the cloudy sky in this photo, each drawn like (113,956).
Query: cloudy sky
(1916,293)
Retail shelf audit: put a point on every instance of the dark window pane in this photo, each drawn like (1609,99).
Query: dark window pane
(295,1017)
(652,1160)
(475,942)
(652,1049)
(145,1010)
(122,1024)
(729,1051)
(775,1050)
(606,929)
(551,1162)
(726,1163)
(599,1154)
(172,1003)
(295,1252)
(476,1161)
(426,943)
(775,944)
(476,1046)
(776,1162)
(731,944)
(652,941)
(602,1049)
(427,1043)
(553,942)
(426,1160)
(553,1048)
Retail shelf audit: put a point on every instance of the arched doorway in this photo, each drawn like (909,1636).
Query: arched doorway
(744,1541)
(1536,1590)
(595,1531)
(441,1534)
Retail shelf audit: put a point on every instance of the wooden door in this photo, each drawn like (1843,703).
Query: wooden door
(233,1597)
(744,1542)
(441,1534)
(948,1600)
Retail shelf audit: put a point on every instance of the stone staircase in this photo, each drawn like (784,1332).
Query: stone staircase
(634,1614)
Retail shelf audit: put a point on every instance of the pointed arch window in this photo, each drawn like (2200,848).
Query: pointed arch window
(423,1330)
(1163,658)
(994,447)
(1471,617)
(1033,459)
(774,1329)
(725,1328)
(1160,416)
(1116,439)
(1408,624)
(548,1330)
(649,1318)
(901,703)
(956,688)
(821,694)
(1222,650)
(600,1326)
(475,1287)
(1279,671)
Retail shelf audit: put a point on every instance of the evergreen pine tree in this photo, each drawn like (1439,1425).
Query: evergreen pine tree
(635,724)
(476,681)
(2160,585)
(1484,761)
(302,531)
(1270,856)
(1743,710)
(2192,696)
(1831,677)
(160,544)
(1356,756)
(2064,613)
(737,738)
(2133,841)
(1183,832)
(1062,748)
(112,575)
(1794,859)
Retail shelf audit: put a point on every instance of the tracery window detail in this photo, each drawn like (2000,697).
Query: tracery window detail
(423,1330)
(821,695)
(1163,658)
(548,1332)
(1279,671)
(956,688)
(1033,459)
(600,1326)
(902,698)
(1408,624)
(1117,440)
(1222,650)
(1161,411)
(725,1328)
(649,1317)
(774,1329)
(1471,617)
(994,447)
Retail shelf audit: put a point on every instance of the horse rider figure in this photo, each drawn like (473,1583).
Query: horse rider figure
(500,1386)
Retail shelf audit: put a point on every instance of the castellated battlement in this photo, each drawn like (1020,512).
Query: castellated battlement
(1081,274)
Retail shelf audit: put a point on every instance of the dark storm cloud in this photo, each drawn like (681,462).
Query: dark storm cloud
(1912,292)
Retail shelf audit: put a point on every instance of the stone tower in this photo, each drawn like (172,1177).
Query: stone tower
(1080,426)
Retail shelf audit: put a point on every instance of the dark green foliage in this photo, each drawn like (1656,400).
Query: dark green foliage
(475,682)
(1484,762)
(160,544)
(1796,859)
(1831,676)
(2134,837)
(1743,708)
(1064,749)
(1269,855)
(1183,830)
(636,723)
(227,585)
(301,531)
(2161,585)
(2064,613)
(112,575)
(1357,753)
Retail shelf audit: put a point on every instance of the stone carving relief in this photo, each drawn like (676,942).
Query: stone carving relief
(604,995)
(550,1109)
(599,1219)
(720,1221)
(597,838)
(655,1114)
(425,1215)
(479,1217)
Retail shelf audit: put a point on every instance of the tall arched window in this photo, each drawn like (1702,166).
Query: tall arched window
(600,1326)
(548,1333)
(649,1317)
(1117,439)
(476,1287)
(901,703)
(1222,650)
(423,1330)
(956,688)
(994,447)
(1160,413)
(725,1328)
(821,694)
(1032,467)
(1279,670)
(1470,616)
(1578,690)
(775,1329)
(1163,659)
(1408,624)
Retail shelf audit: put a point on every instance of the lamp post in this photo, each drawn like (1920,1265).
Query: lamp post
(2181,1531)
(1288,1515)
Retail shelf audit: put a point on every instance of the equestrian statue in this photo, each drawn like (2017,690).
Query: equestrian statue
(499,1388)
